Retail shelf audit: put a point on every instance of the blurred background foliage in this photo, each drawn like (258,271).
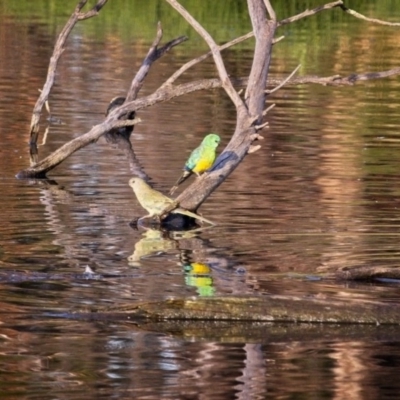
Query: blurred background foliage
(130,19)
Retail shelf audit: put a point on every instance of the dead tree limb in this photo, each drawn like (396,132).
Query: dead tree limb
(113,121)
(76,16)
(231,156)
(309,13)
(153,54)
(117,118)
(264,31)
(241,141)
(373,20)
(337,80)
(195,61)
(40,169)
(284,82)
(219,63)
(328,6)
(249,113)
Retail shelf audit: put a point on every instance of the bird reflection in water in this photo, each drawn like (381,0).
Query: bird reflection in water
(155,242)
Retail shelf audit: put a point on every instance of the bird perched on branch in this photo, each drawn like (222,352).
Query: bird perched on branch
(156,203)
(201,159)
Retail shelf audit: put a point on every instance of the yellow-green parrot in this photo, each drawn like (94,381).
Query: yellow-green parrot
(201,159)
(154,202)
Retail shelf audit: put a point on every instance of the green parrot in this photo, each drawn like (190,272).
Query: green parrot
(154,202)
(201,159)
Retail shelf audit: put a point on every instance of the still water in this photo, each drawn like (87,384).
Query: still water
(322,194)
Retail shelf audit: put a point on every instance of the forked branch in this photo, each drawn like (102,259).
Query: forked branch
(247,116)
(153,54)
(117,118)
(219,63)
(58,50)
(40,169)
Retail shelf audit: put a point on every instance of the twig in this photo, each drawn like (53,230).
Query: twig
(253,148)
(58,50)
(153,54)
(337,80)
(309,13)
(226,82)
(166,94)
(267,110)
(262,126)
(46,132)
(195,61)
(373,20)
(276,88)
(334,4)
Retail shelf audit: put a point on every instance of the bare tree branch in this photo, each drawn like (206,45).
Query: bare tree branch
(153,54)
(276,88)
(58,50)
(337,80)
(264,31)
(120,116)
(309,13)
(168,93)
(262,126)
(267,110)
(40,169)
(195,61)
(93,12)
(239,145)
(248,122)
(226,82)
(233,42)
(373,20)
(271,11)
(333,80)
(339,3)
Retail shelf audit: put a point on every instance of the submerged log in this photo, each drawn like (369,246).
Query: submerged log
(269,332)
(264,309)
(368,273)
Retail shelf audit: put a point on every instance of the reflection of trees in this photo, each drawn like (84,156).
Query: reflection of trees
(102,358)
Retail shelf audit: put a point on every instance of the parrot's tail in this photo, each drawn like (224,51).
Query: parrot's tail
(183,178)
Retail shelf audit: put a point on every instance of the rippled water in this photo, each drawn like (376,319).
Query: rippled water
(321,194)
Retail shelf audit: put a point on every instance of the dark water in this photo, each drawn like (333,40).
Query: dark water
(321,194)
